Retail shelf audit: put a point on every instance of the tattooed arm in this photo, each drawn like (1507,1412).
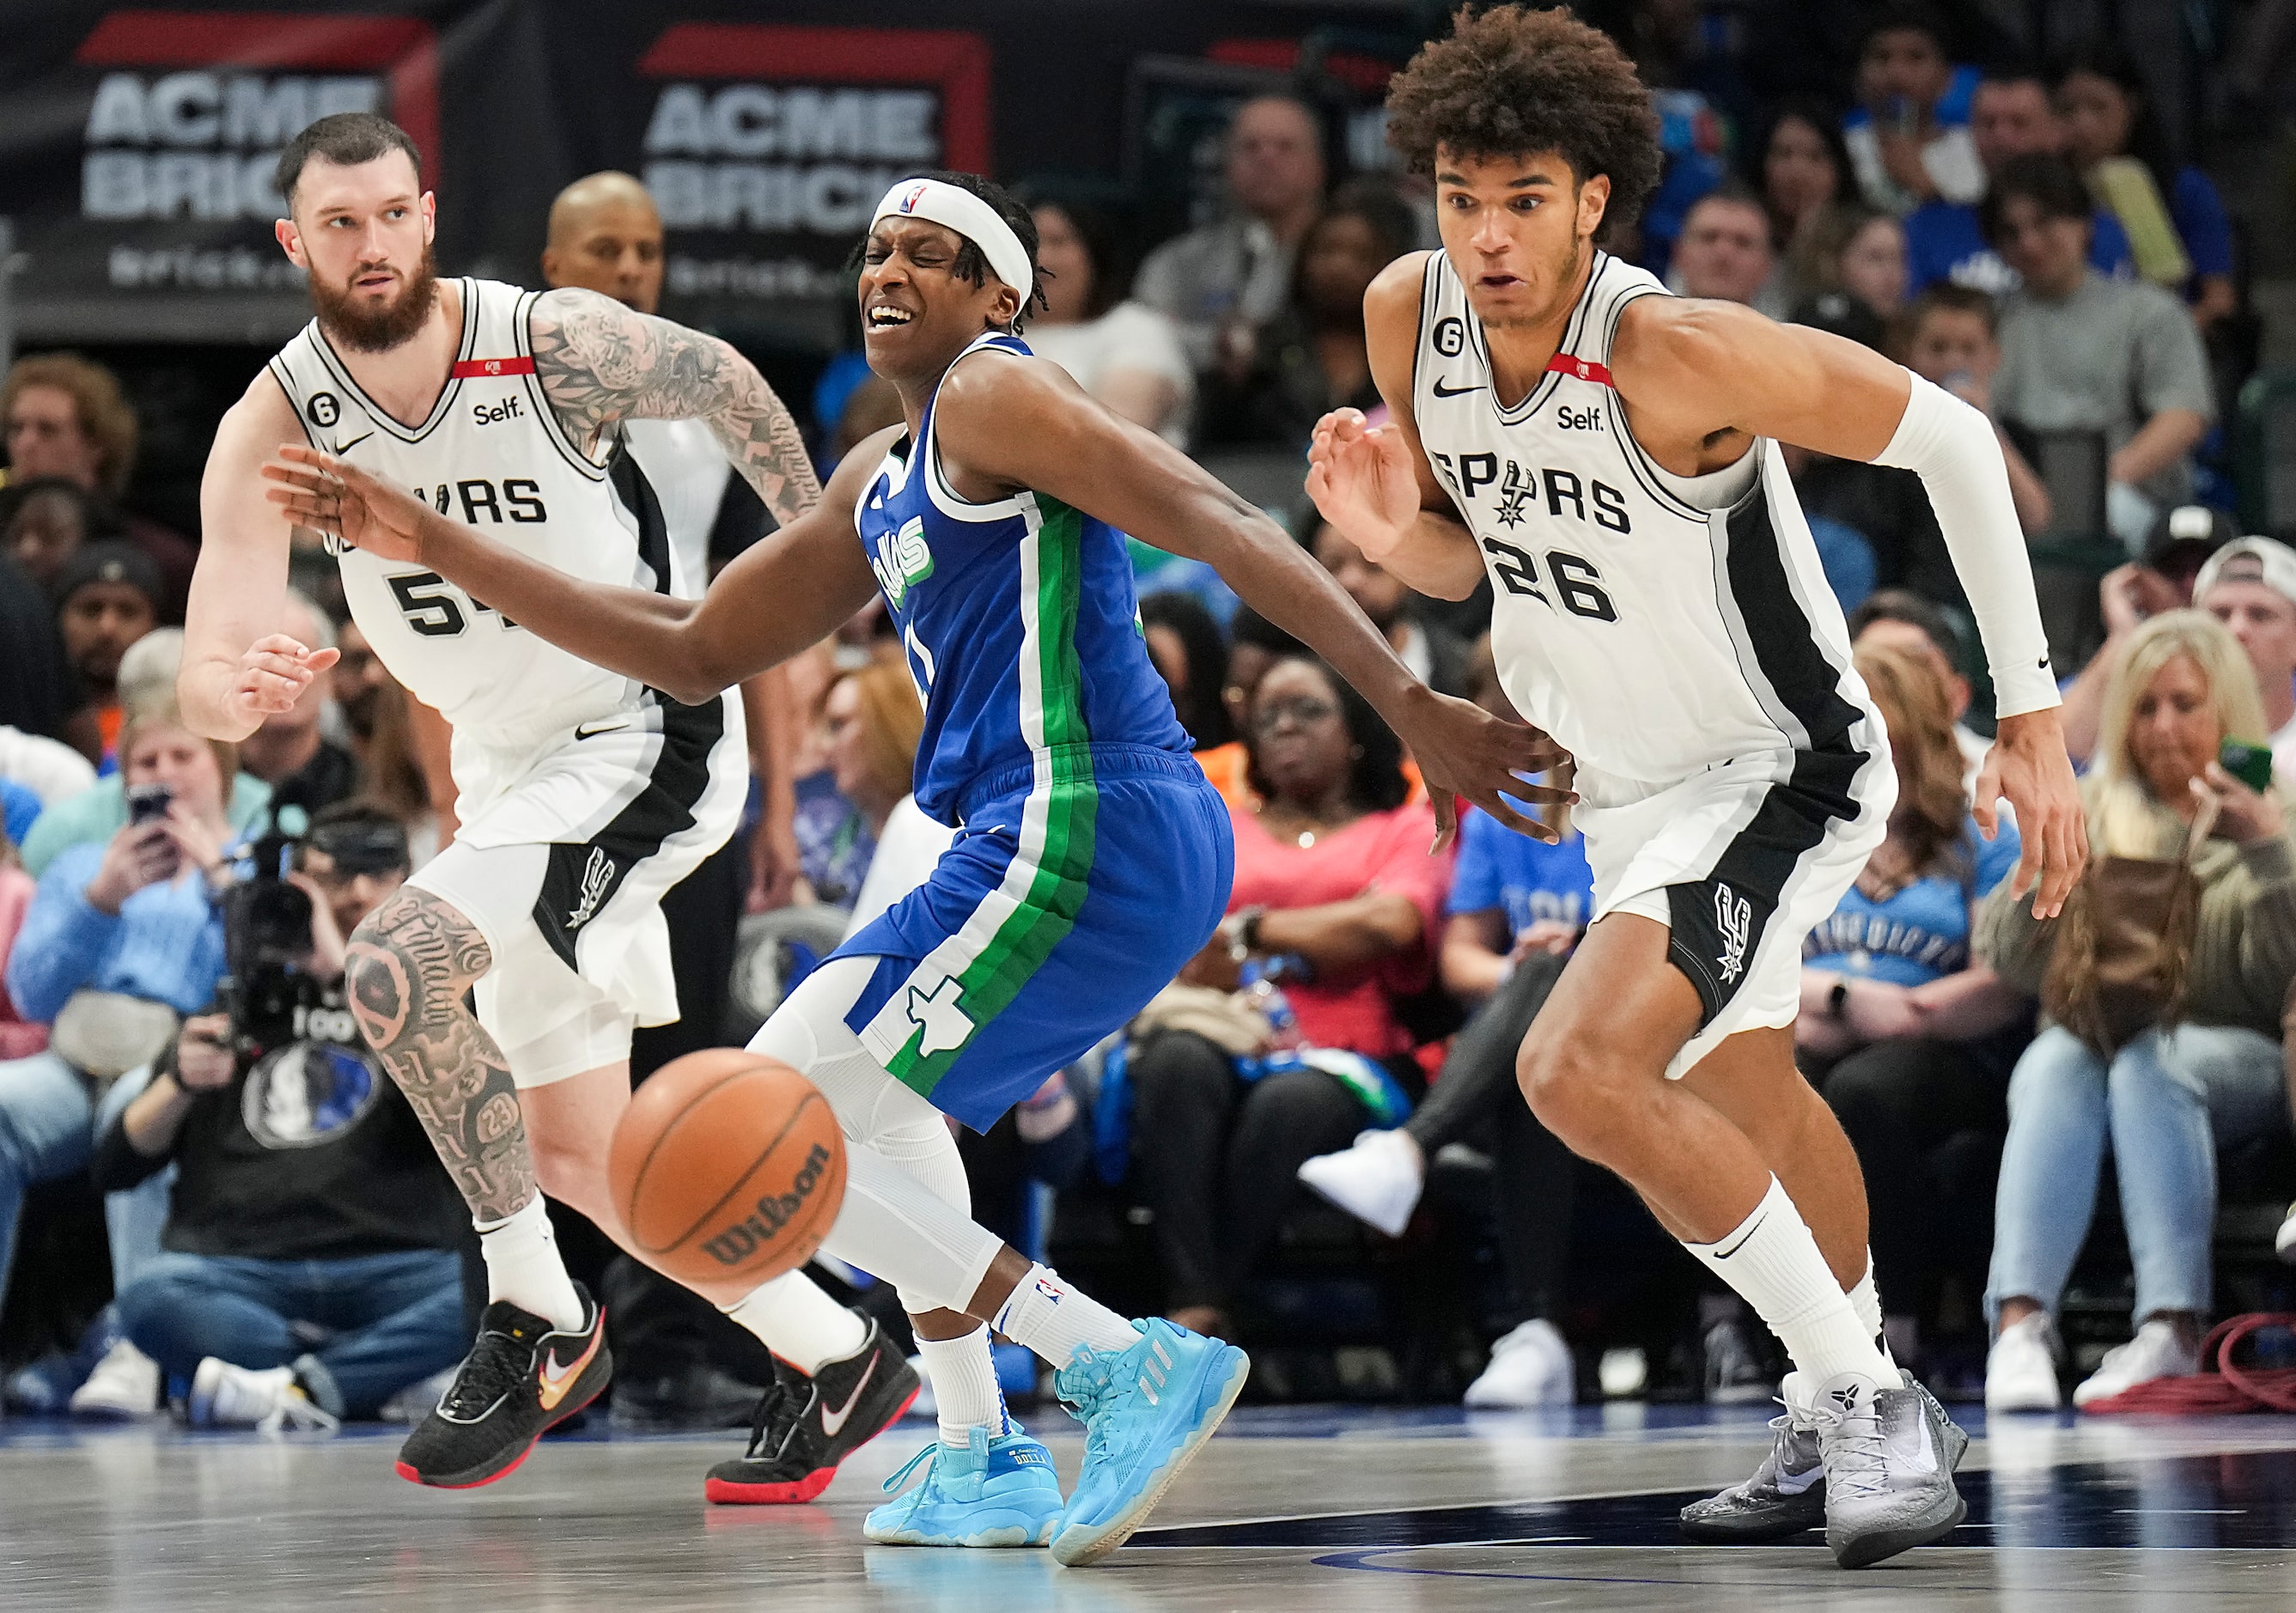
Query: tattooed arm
(409,964)
(600,362)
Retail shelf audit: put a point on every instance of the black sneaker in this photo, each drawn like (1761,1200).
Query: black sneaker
(806,1426)
(521,1378)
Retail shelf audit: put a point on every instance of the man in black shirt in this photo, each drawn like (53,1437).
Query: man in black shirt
(308,1271)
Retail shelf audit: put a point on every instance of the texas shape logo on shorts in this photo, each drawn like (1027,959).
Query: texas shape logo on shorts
(945,1025)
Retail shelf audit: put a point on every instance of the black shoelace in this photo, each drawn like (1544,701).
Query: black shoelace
(493,1368)
(776,1415)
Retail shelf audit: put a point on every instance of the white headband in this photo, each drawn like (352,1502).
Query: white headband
(939,202)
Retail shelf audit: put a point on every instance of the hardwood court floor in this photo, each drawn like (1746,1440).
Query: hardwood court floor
(1329,1510)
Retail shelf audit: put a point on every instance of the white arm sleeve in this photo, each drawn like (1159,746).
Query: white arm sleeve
(1953,448)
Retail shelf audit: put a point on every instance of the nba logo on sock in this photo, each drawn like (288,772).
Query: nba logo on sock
(1052,1291)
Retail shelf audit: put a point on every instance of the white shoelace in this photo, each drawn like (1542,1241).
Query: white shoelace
(1862,1458)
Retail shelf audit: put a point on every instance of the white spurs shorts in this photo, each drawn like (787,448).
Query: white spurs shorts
(1740,861)
(565,850)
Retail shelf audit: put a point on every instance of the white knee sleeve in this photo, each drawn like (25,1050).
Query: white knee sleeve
(934,1257)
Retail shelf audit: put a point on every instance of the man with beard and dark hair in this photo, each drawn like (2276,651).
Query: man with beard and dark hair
(585,796)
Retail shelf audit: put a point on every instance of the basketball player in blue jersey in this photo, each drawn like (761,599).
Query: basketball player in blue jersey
(1091,858)
(1607,455)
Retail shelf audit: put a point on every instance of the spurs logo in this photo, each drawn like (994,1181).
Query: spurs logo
(1514,494)
(1734,915)
(597,877)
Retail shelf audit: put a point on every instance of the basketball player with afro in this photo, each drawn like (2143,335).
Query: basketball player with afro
(1607,455)
(1091,858)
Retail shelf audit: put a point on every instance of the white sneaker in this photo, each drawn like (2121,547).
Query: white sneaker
(125,1385)
(1888,1468)
(2156,1351)
(1530,1367)
(1377,1181)
(228,1397)
(2284,1243)
(417,1401)
(2021,1369)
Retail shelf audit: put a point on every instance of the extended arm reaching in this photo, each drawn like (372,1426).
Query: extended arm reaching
(782,594)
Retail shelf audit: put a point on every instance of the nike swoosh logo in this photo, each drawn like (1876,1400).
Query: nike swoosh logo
(341,448)
(1443,391)
(591,731)
(831,1422)
(1795,1483)
(557,1380)
(1748,1237)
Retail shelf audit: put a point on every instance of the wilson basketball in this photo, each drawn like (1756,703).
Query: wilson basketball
(727,1166)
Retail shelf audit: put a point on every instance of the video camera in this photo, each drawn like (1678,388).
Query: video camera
(269,991)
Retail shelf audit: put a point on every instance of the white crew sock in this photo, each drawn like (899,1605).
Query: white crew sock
(963,1378)
(797,1322)
(1865,1299)
(1772,1260)
(523,1266)
(1053,1319)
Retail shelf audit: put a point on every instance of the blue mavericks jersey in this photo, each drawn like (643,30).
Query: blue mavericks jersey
(1020,625)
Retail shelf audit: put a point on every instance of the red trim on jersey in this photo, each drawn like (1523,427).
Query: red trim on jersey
(1580,369)
(405,48)
(954,61)
(487,369)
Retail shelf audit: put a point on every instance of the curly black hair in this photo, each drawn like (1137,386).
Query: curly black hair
(1515,80)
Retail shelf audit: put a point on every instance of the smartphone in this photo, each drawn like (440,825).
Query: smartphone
(2248,760)
(149,803)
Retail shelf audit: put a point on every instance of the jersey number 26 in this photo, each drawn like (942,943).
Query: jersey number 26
(1574,578)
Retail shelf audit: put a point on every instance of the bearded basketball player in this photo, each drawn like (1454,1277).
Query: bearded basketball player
(585,795)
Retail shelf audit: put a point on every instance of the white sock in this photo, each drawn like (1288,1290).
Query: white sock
(797,1322)
(1772,1262)
(523,1266)
(1053,1319)
(1865,1299)
(964,1378)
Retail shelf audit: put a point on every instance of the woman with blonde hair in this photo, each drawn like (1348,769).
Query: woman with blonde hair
(871,722)
(1899,1028)
(2161,985)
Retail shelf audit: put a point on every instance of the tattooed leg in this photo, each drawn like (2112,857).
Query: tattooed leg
(409,965)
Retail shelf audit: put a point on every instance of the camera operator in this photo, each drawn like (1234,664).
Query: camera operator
(307,1272)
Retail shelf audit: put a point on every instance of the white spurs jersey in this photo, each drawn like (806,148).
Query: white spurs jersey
(1655,625)
(491,454)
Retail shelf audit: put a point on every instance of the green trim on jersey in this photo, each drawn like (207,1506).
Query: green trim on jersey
(1058,866)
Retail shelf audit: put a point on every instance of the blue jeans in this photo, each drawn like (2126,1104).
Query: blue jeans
(361,1328)
(47,1130)
(2165,1103)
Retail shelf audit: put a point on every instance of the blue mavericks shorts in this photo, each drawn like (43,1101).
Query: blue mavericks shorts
(1074,893)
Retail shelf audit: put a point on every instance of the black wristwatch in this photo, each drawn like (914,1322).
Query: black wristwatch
(1837,1001)
(1244,939)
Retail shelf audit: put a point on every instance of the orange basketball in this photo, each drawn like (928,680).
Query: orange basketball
(727,1166)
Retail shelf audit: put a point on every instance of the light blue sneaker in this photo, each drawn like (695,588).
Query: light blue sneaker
(1146,1412)
(1000,1491)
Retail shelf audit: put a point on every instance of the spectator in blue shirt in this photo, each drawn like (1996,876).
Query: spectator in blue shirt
(1517,907)
(2177,231)
(2010,116)
(123,936)
(1898,1027)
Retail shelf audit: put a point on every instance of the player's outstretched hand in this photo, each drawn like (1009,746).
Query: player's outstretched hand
(340,500)
(272,676)
(1463,750)
(1362,477)
(2028,766)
